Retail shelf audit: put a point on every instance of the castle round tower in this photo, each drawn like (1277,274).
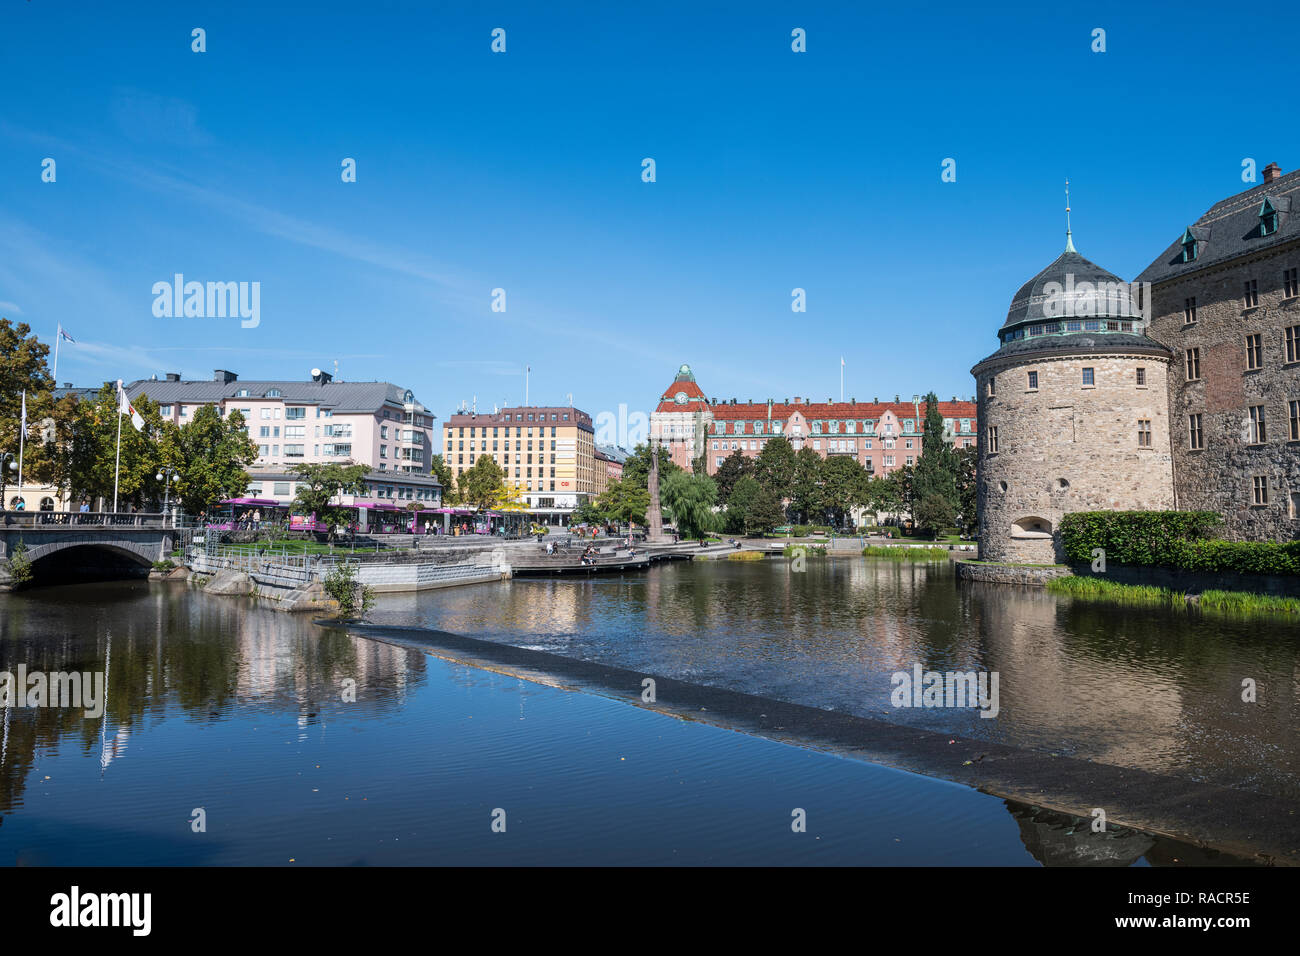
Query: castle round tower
(1073,411)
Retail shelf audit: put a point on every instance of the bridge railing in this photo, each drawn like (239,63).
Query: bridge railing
(83,519)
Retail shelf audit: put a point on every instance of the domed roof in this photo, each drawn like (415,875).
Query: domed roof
(684,374)
(1072,287)
(1075,305)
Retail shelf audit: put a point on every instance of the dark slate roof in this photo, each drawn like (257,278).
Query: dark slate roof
(1069,269)
(1080,342)
(337,396)
(1231,228)
(613,453)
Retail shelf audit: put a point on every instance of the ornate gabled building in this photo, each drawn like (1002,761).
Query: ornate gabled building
(880,436)
(1226,301)
(1073,411)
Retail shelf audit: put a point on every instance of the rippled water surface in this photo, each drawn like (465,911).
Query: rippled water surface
(220,705)
(1137,687)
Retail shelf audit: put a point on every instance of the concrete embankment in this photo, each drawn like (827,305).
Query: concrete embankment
(1240,822)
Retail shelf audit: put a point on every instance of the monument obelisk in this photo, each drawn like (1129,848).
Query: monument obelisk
(654,515)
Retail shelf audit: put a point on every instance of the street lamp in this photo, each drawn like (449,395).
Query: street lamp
(6,459)
(167,475)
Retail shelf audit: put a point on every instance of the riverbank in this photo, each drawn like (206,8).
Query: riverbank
(1248,824)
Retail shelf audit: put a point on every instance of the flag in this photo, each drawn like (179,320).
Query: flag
(841,361)
(65,336)
(125,407)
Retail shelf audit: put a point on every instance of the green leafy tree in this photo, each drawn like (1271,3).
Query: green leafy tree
(884,494)
(806,498)
(637,467)
(691,498)
(319,485)
(935,474)
(480,486)
(967,518)
(935,512)
(210,455)
(624,501)
(23,369)
(774,466)
(739,502)
(440,469)
(353,597)
(87,457)
(845,485)
(734,467)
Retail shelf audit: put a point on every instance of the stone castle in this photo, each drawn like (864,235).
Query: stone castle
(1097,399)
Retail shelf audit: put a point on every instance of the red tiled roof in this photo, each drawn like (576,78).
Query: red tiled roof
(697,402)
(821,411)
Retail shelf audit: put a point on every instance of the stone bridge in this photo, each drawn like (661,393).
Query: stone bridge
(134,541)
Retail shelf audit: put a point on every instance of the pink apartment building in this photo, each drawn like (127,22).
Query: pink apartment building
(376,424)
(882,436)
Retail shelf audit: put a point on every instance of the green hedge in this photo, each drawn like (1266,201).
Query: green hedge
(1172,539)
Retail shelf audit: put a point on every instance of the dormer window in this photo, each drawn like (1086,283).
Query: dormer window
(1189,246)
(242,393)
(1267,218)
(273,393)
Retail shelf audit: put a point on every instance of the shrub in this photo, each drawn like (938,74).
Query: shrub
(1150,538)
(353,597)
(905,554)
(20,566)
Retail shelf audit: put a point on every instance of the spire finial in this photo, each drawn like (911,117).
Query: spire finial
(1069,240)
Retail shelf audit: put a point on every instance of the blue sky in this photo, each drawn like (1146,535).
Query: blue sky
(522,171)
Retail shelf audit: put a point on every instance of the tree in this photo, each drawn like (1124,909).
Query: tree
(753,509)
(739,502)
(480,485)
(734,467)
(765,512)
(806,500)
(319,485)
(352,596)
(210,456)
(691,498)
(774,467)
(86,456)
(624,501)
(440,469)
(509,498)
(884,494)
(844,487)
(935,474)
(637,467)
(967,518)
(934,512)
(23,369)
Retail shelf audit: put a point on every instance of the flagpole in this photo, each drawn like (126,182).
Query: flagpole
(57,335)
(22,437)
(117,466)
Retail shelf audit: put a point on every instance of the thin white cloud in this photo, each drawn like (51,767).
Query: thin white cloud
(10,308)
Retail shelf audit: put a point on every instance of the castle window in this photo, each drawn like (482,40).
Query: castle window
(1258,433)
(1254,352)
(1251,296)
(1141,377)
(993,388)
(1290,283)
(993,439)
(1267,218)
(1074,325)
(1189,246)
(1144,433)
(1295,420)
(1092,325)
(1088,377)
(1196,438)
(1193,364)
(1033,381)
(1189,310)
(1035,330)
(1259,485)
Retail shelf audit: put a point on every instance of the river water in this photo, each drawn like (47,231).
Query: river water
(249,716)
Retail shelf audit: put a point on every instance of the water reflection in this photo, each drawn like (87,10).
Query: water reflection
(1136,687)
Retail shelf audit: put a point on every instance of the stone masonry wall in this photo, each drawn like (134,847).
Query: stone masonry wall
(1067,447)
(1220,477)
